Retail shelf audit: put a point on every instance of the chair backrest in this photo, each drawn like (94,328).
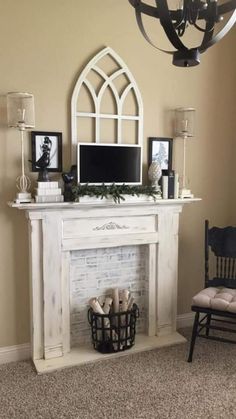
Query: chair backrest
(222,244)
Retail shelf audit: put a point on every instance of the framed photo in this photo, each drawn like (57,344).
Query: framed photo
(46,151)
(160,150)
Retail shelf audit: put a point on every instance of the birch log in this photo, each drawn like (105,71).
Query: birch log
(124,297)
(94,304)
(130,303)
(116,301)
(107,305)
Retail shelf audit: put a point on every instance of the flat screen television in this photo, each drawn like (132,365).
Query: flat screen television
(109,163)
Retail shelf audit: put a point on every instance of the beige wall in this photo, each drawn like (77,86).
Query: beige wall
(44,46)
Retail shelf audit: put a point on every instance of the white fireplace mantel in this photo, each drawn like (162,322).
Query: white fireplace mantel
(57,229)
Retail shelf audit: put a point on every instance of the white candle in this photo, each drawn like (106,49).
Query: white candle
(185,125)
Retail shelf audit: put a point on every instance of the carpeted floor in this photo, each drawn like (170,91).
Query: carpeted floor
(154,384)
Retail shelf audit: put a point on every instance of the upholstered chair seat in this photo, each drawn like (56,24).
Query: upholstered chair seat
(223,299)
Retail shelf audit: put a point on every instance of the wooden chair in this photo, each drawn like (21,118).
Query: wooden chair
(217,301)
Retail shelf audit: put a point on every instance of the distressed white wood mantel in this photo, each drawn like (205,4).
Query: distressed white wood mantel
(57,229)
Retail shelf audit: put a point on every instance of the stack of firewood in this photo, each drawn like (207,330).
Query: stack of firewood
(120,302)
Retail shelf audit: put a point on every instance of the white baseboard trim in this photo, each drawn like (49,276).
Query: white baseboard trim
(22,352)
(14,353)
(185,320)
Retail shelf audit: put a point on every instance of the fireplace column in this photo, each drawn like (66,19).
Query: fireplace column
(167,269)
(46,294)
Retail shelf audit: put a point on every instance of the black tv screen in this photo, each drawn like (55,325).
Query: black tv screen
(105,163)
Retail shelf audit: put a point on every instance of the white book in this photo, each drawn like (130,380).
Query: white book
(165,187)
(50,191)
(47,185)
(176,186)
(49,198)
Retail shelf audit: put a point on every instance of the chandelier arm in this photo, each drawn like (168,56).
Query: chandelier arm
(208,32)
(144,33)
(220,34)
(226,7)
(168,27)
(144,8)
(202,29)
(221,8)
(151,10)
(178,24)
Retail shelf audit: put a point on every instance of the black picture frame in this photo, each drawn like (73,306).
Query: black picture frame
(166,145)
(50,143)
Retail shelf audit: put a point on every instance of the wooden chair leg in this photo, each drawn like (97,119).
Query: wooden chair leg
(194,335)
(208,324)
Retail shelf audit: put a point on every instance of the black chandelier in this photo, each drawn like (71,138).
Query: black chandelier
(201,14)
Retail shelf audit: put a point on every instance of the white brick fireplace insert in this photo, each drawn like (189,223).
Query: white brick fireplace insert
(57,230)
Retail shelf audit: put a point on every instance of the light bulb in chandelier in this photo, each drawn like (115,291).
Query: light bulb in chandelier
(203,15)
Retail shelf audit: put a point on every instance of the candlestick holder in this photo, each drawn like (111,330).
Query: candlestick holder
(184,128)
(20,114)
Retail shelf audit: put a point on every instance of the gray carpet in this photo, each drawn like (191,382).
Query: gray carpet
(154,384)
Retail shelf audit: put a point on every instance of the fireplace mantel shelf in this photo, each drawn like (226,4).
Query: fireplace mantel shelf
(129,200)
(56,230)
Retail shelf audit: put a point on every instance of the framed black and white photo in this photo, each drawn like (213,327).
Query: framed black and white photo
(46,151)
(160,151)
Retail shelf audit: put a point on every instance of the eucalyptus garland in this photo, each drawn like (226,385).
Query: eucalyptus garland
(117,192)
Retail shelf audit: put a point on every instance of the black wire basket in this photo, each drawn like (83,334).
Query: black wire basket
(113,332)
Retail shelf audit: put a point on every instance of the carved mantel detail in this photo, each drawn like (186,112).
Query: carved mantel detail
(111,226)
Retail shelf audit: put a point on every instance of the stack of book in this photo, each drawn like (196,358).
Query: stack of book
(48,192)
(170,184)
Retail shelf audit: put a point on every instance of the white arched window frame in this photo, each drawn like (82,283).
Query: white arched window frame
(108,83)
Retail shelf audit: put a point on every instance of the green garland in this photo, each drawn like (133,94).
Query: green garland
(116,191)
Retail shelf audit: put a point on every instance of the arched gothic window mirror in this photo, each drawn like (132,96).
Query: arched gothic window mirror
(106,103)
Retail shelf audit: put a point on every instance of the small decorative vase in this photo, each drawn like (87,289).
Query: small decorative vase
(154,175)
